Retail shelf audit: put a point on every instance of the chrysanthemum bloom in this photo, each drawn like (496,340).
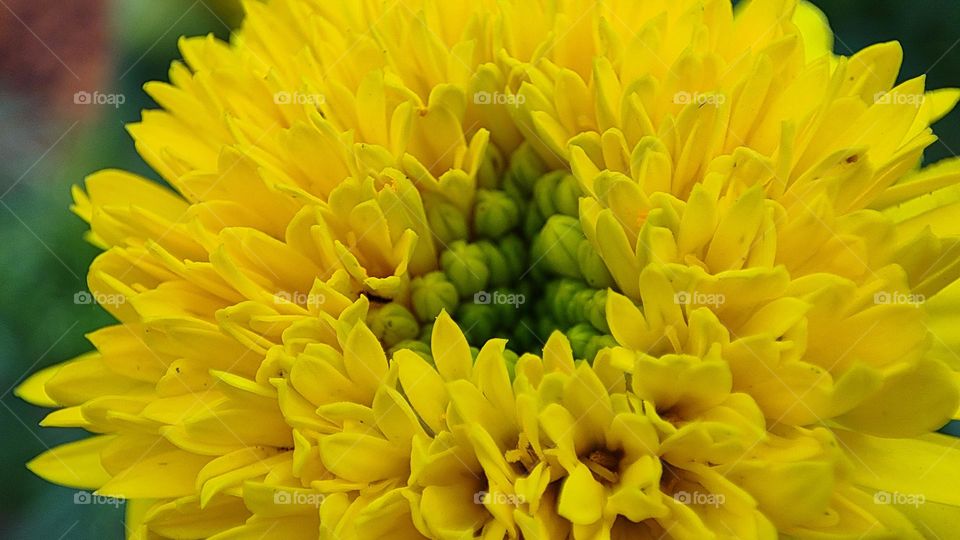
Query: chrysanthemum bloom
(524,269)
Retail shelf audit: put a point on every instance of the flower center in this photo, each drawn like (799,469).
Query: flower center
(605,465)
(518,267)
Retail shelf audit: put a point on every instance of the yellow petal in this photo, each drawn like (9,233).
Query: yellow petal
(424,388)
(363,458)
(927,466)
(33,390)
(815,29)
(184,518)
(451,352)
(914,399)
(75,464)
(581,497)
(364,359)
(171,473)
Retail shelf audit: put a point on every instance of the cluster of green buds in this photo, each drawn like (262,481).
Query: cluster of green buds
(518,266)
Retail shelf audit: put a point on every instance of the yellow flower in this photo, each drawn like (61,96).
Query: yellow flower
(522,269)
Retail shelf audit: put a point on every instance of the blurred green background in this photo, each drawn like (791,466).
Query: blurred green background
(47,144)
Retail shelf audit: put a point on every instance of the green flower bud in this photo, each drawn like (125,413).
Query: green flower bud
(543,192)
(478,321)
(577,309)
(494,214)
(566,196)
(431,294)
(525,167)
(392,323)
(597,344)
(514,251)
(580,336)
(592,267)
(510,188)
(497,264)
(562,293)
(491,169)
(538,270)
(597,311)
(560,241)
(447,222)
(510,359)
(426,333)
(465,266)
(533,221)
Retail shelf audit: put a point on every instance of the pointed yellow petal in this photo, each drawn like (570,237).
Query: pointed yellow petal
(33,390)
(75,464)
(451,352)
